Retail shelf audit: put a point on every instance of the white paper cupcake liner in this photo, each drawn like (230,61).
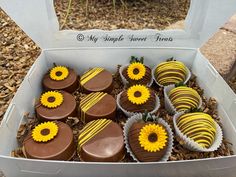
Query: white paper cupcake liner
(154,78)
(129,114)
(124,80)
(138,117)
(193,146)
(168,105)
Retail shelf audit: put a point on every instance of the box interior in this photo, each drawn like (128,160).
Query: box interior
(81,59)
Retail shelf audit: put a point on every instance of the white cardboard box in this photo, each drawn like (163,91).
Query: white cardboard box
(83,49)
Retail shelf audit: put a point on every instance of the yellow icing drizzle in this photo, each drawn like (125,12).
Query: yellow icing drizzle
(179,100)
(89,101)
(91,129)
(171,79)
(198,138)
(184,98)
(90,74)
(205,142)
(200,127)
(188,127)
(189,117)
(162,73)
(191,132)
(170,72)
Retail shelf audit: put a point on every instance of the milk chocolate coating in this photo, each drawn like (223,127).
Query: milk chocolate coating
(62,147)
(69,84)
(139,152)
(106,146)
(144,81)
(129,106)
(105,108)
(66,109)
(102,82)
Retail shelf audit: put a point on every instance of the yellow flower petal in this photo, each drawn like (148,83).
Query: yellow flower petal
(59,73)
(51,99)
(136,71)
(138,94)
(45,132)
(160,133)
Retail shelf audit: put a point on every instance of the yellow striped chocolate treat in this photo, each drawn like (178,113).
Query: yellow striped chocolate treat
(184,98)
(97,105)
(96,80)
(101,141)
(170,72)
(199,127)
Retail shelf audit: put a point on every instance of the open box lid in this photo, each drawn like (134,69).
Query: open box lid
(38,19)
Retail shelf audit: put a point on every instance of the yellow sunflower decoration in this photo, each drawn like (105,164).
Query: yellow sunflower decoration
(59,73)
(51,99)
(153,137)
(136,71)
(138,94)
(45,132)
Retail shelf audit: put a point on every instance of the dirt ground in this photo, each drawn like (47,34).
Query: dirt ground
(18,52)
(152,14)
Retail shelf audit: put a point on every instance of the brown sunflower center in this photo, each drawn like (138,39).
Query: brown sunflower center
(45,131)
(137,94)
(58,73)
(152,137)
(51,99)
(136,71)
